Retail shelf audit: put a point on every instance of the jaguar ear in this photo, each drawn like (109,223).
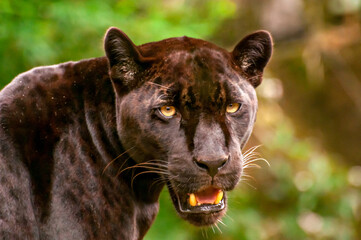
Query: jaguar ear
(252,54)
(125,60)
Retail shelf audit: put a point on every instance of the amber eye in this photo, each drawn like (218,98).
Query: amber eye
(233,107)
(168,111)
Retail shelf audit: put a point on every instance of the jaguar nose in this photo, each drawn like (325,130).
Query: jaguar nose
(211,166)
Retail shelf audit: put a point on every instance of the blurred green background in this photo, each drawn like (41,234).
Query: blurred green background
(309,121)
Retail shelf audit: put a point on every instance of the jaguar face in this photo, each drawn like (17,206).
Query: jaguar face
(186,108)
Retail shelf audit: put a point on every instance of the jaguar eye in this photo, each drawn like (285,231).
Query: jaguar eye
(168,111)
(233,107)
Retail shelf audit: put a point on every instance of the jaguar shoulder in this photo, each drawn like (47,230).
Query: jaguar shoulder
(86,147)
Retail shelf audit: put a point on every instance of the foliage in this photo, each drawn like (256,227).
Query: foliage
(309,191)
(36,33)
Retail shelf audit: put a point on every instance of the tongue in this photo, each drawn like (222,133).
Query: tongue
(207,196)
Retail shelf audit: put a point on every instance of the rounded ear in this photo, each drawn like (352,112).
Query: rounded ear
(125,60)
(252,54)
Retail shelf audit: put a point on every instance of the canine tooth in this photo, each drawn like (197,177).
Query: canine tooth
(192,200)
(219,197)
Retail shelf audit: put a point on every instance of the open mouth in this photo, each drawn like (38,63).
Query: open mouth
(206,201)
(202,207)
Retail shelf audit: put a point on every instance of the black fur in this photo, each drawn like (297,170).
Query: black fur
(85,151)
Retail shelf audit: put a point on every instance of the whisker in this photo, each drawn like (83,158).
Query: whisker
(157,170)
(252,165)
(121,166)
(251,150)
(157,160)
(250,185)
(204,233)
(150,168)
(139,165)
(258,159)
(245,161)
(229,217)
(216,225)
(145,165)
(220,221)
(160,180)
(133,177)
(248,176)
(251,155)
(151,164)
(116,159)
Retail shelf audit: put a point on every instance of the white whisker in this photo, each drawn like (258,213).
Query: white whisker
(251,150)
(256,160)
(220,221)
(253,165)
(229,217)
(216,225)
(248,177)
(250,185)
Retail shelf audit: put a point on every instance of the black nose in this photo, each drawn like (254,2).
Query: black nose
(212,166)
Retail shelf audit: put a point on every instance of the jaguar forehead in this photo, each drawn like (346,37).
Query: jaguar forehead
(197,77)
(204,82)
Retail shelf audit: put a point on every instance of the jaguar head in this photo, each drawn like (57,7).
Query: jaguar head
(186,108)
